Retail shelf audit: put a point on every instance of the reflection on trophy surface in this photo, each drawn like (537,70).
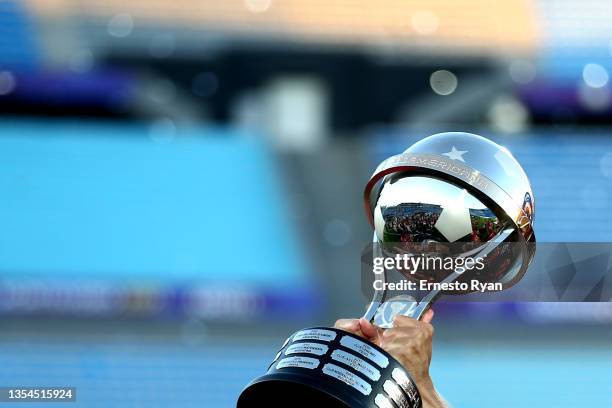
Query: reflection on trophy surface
(451,196)
(426,215)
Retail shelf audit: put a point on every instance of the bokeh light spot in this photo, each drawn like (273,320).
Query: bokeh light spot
(594,99)
(7,82)
(522,72)
(162,131)
(443,82)
(508,115)
(121,25)
(595,76)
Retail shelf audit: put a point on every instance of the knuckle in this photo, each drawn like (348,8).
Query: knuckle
(426,328)
(403,321)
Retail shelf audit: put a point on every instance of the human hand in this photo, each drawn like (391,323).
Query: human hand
(409,342)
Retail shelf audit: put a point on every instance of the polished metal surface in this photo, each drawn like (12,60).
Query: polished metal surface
(460,190)
(485,169)
(486,157)
(455,188)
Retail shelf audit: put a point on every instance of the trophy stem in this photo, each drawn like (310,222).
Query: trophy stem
(381,311)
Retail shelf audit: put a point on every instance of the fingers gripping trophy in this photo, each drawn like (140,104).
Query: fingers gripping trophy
(450,181)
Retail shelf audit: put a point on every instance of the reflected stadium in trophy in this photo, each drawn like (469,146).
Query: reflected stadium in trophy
(441,219)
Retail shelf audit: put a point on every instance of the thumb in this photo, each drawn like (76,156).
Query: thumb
(428,316)
(369,330)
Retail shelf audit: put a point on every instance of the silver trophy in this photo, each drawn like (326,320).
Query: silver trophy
(448,189)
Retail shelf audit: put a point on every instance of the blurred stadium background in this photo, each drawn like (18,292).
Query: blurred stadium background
(181,184)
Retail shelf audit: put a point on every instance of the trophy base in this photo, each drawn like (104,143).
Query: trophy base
(328,367)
